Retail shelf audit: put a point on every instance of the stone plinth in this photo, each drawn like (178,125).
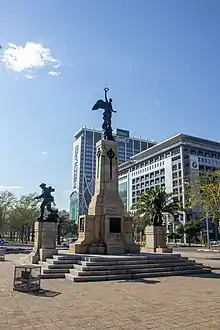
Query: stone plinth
(105,230)
(156,239)
(44,241)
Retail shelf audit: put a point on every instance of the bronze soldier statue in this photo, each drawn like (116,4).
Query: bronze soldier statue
(48,199)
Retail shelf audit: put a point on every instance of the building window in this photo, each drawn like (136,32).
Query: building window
(174,167)
(175,183)
(175,158)
(163,186)
(174,175)
(175,191)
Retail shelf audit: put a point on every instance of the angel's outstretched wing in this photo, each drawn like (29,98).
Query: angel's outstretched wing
(100,104)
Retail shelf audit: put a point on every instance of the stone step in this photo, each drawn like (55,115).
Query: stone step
(93,258)
(149,256)
(131,262)
(55,271)
(87,267)
(66,257)
(53,276)
(61,262)
(133,271)
(134,276)
(47,265)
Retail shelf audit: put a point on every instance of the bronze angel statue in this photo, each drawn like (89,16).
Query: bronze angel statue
(107,115)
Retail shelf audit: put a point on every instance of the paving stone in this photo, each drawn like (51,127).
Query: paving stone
(186,302)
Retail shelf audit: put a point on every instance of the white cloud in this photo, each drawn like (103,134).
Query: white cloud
(29,58)
(54,73)
(45,154)
(10,187)
(29,76)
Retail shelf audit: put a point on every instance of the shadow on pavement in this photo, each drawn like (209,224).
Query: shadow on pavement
(44,293)
(205,275)
(140,280)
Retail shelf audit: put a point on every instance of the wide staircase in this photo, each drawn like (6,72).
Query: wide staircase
(86,268)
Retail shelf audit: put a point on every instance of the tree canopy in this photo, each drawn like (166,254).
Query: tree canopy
(17,215)
(191,229)
(153,205)
(205,193)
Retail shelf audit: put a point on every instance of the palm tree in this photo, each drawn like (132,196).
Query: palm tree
(153,204)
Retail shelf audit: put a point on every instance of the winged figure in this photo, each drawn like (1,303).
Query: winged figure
(107,115)
(100,104)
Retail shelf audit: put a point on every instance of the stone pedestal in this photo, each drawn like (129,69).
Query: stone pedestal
(105,230)
(44,241)
(2,254)
(156,239)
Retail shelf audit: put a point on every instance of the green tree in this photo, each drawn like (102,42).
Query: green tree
(66,228)
(23,216)
(205,193)
(7,201)
(152,205)
(174,236)
(191,229)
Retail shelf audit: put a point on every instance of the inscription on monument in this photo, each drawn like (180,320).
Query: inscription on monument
(111,210)
(81,225)
(115,225)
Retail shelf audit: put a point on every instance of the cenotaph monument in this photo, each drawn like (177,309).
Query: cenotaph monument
(105,229)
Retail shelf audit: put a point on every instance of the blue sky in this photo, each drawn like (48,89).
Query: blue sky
(160,59)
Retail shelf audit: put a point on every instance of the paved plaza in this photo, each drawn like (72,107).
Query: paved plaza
(191,302)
